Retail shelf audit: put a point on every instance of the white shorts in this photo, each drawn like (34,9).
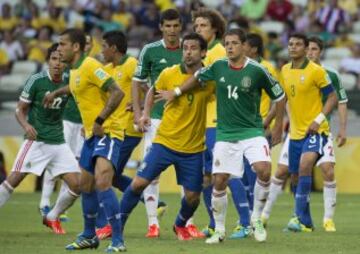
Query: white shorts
(72,135)
(284,154)
(329,153)
(34,157)
(150,134)
(228,156)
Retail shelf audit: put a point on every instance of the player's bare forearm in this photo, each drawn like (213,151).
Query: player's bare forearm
(342,109)
(116,96)
(49,98)
(279,116)
(149,101)
(330,103)
(136,98)
(270,116)
(189,84)
(21,113)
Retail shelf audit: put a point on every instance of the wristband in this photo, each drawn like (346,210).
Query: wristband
(177,91)
(320,118)
(99,120)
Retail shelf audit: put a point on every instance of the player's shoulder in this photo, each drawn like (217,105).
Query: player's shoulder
(130,60)
(286,67)
(255,65)
(152,46)
(172,70)
(108,67)
(36,78)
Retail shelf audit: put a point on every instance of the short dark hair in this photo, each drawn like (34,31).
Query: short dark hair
(217,21)
(237,31)
(318,41)
(300,36)
(170,14)
(51,49)
(76,36)
(255,41)
(196,37)
(118,39)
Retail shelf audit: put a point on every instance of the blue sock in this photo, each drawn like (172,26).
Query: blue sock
(128,202)
(240,200)
(185,213)
(89,203)
(122,182)
(250,177)
(112,210)
(101,220)
(303,199)
(207,192)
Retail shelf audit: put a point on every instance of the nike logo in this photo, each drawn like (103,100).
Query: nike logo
(312,146)
(99,148)
(163,61)
(222,79)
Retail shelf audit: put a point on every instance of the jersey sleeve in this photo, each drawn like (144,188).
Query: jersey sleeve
(271,86)
(28,93)
(143,66)
(97,75)
(337,85)
(160,83)
(205,74)
(131,68)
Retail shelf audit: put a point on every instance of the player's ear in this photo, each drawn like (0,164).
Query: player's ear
(76,46)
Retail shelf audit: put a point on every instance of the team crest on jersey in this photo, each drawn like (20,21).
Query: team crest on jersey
(119,75)
(77,80)
(302,78)
(246,84)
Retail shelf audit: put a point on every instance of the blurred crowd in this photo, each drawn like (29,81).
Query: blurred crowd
(28,27)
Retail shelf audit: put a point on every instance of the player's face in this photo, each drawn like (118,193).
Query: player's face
(192,53)
(248,50)
(171,30)
(56,66)
(314,52)
(203,27)
(297,48)
(66,49)
(234,47)
(107,52)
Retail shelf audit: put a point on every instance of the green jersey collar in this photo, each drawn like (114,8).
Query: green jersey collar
(213,43)
(79,62)
(303,65)
(258,59)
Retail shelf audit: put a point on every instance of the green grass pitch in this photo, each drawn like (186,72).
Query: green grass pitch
(21,231)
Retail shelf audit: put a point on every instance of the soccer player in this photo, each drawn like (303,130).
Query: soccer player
(97,97)
(121,67)
(180,138)
(211,25)
(154,58)
(44,146)
(304,82)
(239,131)
(327,161)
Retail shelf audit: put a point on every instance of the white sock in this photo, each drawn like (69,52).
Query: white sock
(47,189)
(151,198)
(5,192)
(261,192)
(64,187)
(64,201)
(329,199)
(274,193)
(219,204)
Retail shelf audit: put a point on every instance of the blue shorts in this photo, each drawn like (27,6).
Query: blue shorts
(188,166)
(106,147)
(126,149)
(208,154)
(311,143)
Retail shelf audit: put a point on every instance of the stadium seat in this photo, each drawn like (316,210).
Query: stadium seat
(133,52)
(348,81)
(12,82)
(334,63)
(355,37)
(337,53)
(24,67)
(272,26)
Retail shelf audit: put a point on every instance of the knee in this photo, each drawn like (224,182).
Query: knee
(294,179)
(263,171)
(281,173)
(220,181)
(139,184)
(74,184)
(192,198)
(328,173)
(206,180)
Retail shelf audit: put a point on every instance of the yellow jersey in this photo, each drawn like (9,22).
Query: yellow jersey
(8,24)
(88,84)
(265,102)
(182,127)
(303,90)
(122,74)
(215,51)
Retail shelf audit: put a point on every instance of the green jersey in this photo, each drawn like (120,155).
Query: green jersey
(154,58)
(71,112)
(238,94)
(46,121)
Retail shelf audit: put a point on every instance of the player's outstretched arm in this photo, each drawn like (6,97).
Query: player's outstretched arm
(341,137)
(144,120)
(169,96)
(276,132)
(21,112)
(49,98)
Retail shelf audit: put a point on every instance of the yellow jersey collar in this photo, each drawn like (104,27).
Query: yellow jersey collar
(79,62)
(304,64)
(123,59)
